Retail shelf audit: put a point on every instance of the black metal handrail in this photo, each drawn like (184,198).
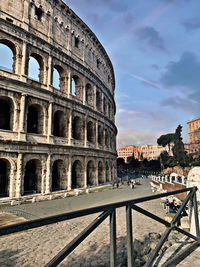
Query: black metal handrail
(110,210)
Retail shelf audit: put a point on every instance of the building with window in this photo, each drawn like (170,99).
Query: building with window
(194,136)
(57,119)
(149,152)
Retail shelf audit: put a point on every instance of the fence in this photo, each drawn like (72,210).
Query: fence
(110,211)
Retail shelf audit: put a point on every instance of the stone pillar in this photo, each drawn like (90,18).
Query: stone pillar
(49,129)
(50,73)
(96,171)
(19,190)
(96,138)
(83,90)
(69,173)
(70,127)
(21,131)
(193,179)
(24,66)
(12,181)
(69,83)
(48,174)
(85,131)
(95,98)
(85,172)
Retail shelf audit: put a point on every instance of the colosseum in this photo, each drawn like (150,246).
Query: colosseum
(57,108)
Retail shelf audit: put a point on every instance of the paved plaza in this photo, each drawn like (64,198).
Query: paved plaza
(36,247)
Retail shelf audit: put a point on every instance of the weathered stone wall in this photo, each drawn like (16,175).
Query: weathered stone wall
(41,126)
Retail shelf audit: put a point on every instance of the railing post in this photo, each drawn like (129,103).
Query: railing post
(113,239)
(129,235)
(196,216)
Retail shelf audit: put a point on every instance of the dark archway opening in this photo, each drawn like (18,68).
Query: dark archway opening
(77,175)
(4,178)
(5,114)
(90,132)
(100,173)
(90,173)
(76,128)
(34,120)
(56,176)
(31,177)
(58,124)
(107,173)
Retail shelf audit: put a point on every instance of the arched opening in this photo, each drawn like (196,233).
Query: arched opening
(4,177)
(7,56)
(100,135)
(89,94)
(6,114)
(104,106)
(106,138)
(32,177)
(107,172)
(77,130)
(57,173)
(90,132)
(108,110)
(59,128)
(77,175)
(76,88)
(98,101)
(58,77)
(35,119)
(100,173)
(91,179)
(35,68)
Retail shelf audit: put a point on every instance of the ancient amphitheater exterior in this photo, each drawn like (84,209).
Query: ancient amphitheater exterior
(53,139)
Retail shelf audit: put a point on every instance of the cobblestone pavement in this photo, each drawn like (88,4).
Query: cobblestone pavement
(37,246)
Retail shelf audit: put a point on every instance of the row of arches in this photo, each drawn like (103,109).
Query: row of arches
(32,178)
(35,123)
(35,70)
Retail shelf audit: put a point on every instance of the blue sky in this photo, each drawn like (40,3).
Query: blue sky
(154,47)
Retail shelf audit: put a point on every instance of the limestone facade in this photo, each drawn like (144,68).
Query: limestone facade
(53,138)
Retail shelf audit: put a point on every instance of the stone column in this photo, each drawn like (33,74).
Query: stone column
(49,129)
(96,172)
(69,173)
(83,90)
(85,172)
(12,181)
(24,63)
(85,131)
(69,83)
(48,174)
(19,190)
(21,132)
(95,93)
(49,73)
(96,139)
(70,127)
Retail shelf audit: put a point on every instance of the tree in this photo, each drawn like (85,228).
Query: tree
(120,162)
(166,139)
(178,148)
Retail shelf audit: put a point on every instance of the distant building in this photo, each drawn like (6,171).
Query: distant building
(128,151)
(194,136)
(149,152)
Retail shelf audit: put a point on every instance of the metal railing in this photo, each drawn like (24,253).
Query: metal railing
(109,210)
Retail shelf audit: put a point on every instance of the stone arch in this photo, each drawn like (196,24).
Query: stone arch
(32,177)
(76,86)
(5,169)
(100,173)
(7,113)
(77,174)
(77,128)
(58,80)
(10,63)
(104,106)
(33,72)
(59,124)
(90,132)
(107,172)
(100,134)
(35,119)
(106,138)
(91,172)
(89,94)
(98,100)
(59,175)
